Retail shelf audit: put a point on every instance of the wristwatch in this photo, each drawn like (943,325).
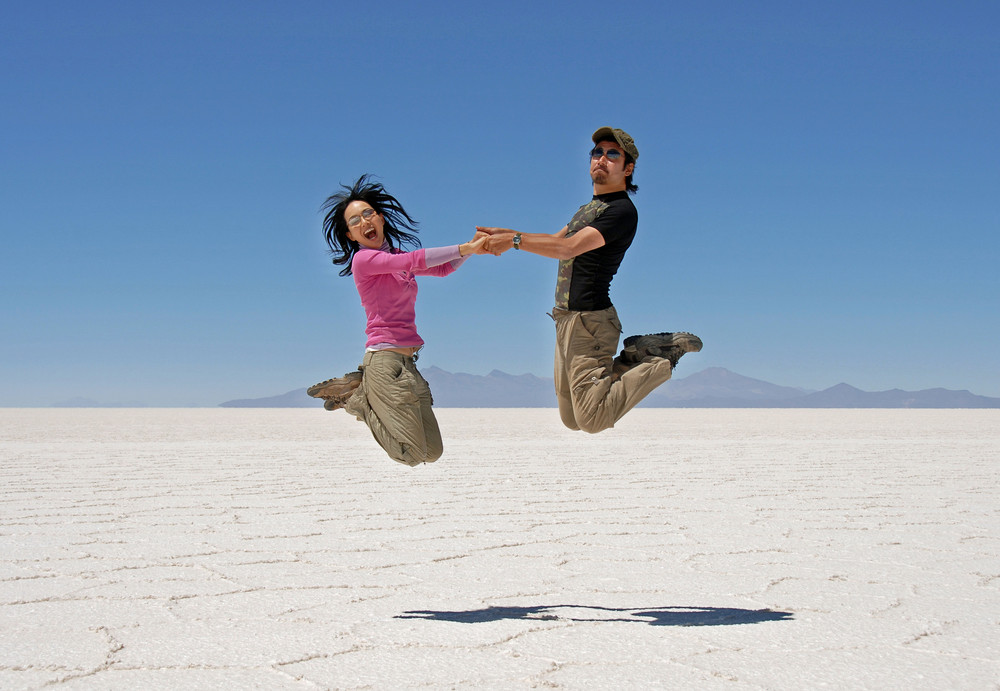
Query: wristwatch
(517,241)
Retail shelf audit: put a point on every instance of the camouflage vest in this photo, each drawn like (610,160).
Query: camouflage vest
(584,217)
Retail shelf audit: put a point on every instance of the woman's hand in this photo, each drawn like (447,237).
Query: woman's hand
(477,245)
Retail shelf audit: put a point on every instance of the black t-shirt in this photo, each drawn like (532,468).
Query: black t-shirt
(590,285)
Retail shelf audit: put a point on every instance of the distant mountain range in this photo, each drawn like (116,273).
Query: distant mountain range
(714,387)
(81,402)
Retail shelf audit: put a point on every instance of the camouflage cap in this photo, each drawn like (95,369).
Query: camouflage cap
(613,134)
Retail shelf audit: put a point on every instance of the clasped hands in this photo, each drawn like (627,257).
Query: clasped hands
(493,241)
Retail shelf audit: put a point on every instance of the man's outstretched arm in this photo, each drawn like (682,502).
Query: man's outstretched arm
(555,246)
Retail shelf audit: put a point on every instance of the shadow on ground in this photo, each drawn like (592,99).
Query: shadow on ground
(660,616)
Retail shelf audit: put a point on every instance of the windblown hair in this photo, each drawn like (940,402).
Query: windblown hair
(400,230)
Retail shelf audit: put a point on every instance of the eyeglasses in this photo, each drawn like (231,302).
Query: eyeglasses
(612,154)
(355,221)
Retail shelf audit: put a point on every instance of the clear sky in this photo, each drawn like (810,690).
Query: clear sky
(819,185)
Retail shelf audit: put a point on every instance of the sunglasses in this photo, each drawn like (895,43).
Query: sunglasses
(355,221)
(612,154)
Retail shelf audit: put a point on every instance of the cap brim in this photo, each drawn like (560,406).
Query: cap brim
(604,134)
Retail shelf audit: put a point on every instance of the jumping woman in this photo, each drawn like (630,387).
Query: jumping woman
(367,230)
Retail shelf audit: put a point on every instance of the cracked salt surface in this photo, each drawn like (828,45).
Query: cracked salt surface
(280,549)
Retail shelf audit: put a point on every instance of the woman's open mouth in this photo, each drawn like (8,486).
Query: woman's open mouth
(370,234)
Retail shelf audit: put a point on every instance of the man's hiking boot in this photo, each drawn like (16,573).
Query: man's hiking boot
(670,345)
(335,392)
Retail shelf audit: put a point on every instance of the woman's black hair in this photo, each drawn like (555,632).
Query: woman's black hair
(400,230)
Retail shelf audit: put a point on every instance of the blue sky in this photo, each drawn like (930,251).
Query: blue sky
(819,185)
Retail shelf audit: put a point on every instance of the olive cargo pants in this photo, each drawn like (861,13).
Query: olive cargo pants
(395,401)
(590,398)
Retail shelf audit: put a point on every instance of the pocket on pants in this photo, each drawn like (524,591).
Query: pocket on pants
(402,388)
(388,380)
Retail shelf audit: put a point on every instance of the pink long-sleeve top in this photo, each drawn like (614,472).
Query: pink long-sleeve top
(387,283)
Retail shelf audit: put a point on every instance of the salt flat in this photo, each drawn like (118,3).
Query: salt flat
(709,549)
